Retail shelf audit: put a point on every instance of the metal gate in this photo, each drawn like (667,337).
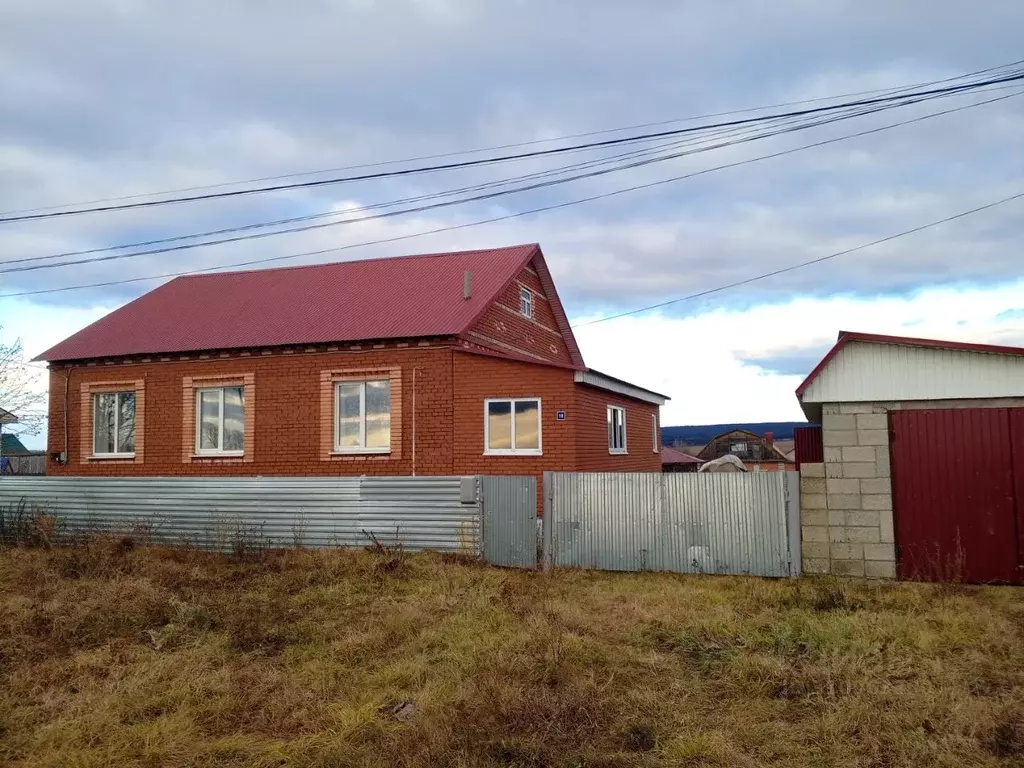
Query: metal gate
(958,488)
(510,520)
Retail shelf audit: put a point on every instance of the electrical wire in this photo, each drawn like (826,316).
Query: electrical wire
(802,125)
(494,219)
(515,145)
(1013,77)
(803,264)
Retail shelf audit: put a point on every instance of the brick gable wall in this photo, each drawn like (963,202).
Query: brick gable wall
(504,329)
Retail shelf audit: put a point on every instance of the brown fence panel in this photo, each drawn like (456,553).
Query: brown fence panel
(1017,446)
(954,496)
(808,446)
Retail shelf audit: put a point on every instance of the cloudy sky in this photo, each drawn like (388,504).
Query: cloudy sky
(122,97)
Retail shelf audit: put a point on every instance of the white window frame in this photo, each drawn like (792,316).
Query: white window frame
(526,302)
(654,432)
(611,449)
(361,448)
(513,451)
(115,454)
(219,451)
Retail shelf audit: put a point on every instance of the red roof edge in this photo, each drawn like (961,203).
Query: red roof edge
(845,337)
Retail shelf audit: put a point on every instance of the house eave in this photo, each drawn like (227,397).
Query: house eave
(592,378)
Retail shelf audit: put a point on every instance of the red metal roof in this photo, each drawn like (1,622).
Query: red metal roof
(404,297)
(845,337)
(672,456)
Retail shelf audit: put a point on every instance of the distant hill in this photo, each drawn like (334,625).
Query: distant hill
(704,433)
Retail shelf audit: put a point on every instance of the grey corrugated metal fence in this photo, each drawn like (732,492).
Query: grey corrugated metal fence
(510,520)
(692,523)
(439,513)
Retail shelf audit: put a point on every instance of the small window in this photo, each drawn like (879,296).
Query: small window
(512,427)
(220,420)
(526,302)
(738,448)
(616,429)
(362,416)
(113,424)
(654,432)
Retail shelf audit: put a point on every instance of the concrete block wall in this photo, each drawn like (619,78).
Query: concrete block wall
(846,502)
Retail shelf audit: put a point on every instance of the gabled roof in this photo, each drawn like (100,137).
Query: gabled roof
(748,436)
(845,337)
(673,456)
(10,445)
(6,417)
(393,298)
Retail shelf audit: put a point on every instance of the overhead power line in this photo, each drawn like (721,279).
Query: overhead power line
(515,145)
(802,264)
(1009,78)
(805,124)
(491,220)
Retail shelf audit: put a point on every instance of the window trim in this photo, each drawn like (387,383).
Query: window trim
(654,432)
(538,451)
(200,451)
(339,450)
(526,300)
(624,450)
(115,454)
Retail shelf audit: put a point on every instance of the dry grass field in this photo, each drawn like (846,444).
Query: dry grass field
(114,654)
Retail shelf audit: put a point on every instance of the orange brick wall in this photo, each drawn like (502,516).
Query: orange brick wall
(285,406)
(592,454)
(504,329)
(478,377)
(285,436)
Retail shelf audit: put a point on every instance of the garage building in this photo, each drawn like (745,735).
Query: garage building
(923,473)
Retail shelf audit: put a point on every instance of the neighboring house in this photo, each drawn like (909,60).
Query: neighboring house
(454,363)
(758,453)
(920,471)
(673,460)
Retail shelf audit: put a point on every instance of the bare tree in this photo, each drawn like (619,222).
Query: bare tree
(20,394)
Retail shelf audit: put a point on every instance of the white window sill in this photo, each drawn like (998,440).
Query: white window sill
(513,453)
(219,455)
(360,452)
(619,452)
(107,456)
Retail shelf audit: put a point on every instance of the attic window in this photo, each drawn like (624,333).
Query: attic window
(526,302)
(738,448)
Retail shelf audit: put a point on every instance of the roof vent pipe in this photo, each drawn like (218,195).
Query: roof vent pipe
(467,280)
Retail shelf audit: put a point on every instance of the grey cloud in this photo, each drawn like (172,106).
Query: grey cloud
(115,98)
(790,361)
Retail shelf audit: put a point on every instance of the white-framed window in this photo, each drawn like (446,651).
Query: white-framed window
(362,416)
(526,302)
(220,421)
(654,432)
(113,424)
(616,429)
(512,426)
(738,448)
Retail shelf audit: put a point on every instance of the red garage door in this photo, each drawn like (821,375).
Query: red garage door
(958,488)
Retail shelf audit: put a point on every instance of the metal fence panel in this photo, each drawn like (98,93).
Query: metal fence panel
(417,512)
(510,520)
(690,523)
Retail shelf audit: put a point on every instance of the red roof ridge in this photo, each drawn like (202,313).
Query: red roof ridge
(437,254)
(845,337)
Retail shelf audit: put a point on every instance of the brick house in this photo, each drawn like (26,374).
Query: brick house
(441,364)
(757,452)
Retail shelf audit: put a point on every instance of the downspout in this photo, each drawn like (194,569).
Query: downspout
(67,377)
(414,421)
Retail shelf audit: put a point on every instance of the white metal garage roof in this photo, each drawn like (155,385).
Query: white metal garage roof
(864,367)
